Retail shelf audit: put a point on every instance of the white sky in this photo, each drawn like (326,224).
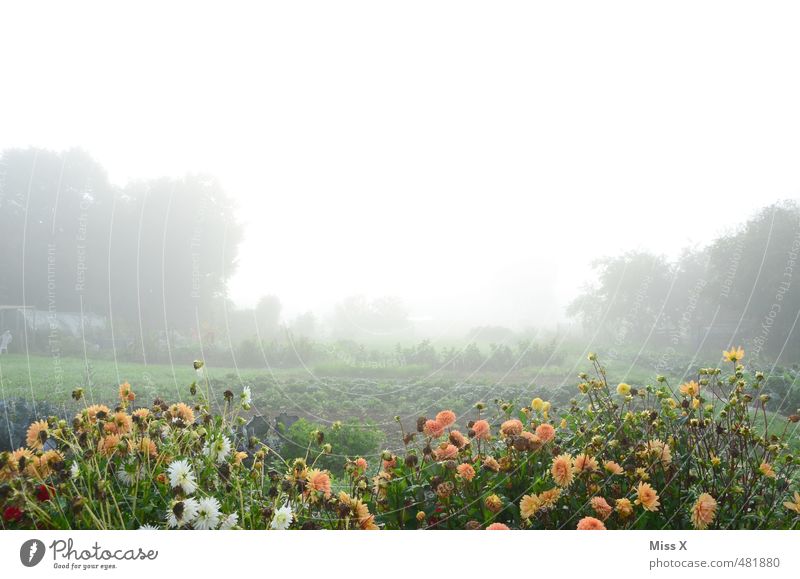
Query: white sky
(470,157)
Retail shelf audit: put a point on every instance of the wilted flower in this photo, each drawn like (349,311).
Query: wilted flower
(767,470)
(511,427)
(37,435)
(182,513)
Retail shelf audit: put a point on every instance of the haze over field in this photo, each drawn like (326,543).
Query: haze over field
(475,179)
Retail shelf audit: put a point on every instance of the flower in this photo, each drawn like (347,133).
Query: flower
(445,452)
(320,481)
(446,418)
(767,470)
(703,511)
(624,508)
(181,476)
(183,412)
(74,470)
(549,498)
(497,527)
(120,423)
(125,393)
(282,518)
(794,505)
(537,404)
(96,412)
(433,428)
(246,396)
(465,471)
(37,435)
(141,414)
(147,527)
(562,470)
(690,388)
(545,432)
(734,354)
(458,439)
(584,462)
(217,449)
(511,427)
(44,493)
(647,497)
(12,514)
(182,512)
(612,467)
(481,430)
(360,466)
(659,450)
(147,447)
(529,506)
(494,503)
(601,507)
(207,514)
(591,524)
(108,445)
(490,463)
(623,389)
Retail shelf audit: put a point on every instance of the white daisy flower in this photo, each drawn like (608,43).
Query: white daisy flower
(282,518)
(75,470)
(218,449)
(148,527)
(125,477)
(229,521)
(182,513)
(181,475)
(207,514)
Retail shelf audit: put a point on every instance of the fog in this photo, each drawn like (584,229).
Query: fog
(475,175)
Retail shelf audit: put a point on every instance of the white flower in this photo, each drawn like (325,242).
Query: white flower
(229,521)
(75,470)
(182,512)
(246,397)
(148,527)
(207,514)
(218,449)
(181,475)
(282,518)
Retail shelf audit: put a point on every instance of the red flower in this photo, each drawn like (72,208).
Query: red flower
(12,514)
(44,493)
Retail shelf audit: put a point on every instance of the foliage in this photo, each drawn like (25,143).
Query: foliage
(698,455)
(348,438)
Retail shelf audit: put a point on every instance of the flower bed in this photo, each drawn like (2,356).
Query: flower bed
(619,457)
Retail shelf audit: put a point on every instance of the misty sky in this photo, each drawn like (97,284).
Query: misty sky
(471,158)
